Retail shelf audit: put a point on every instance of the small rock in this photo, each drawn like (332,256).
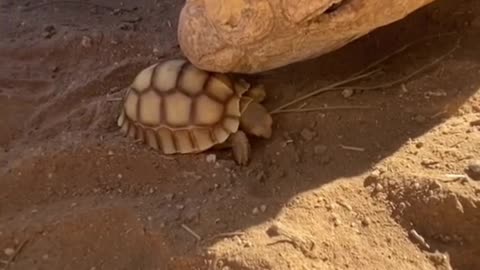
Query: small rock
(49,31)
(87,42)
(320,149)
(9,251)
(348,92)
(307,134)
(366,221)
(192,214)
(475,123)
(378,188)
(263,208)
(473,169)
(419,144)
(255,211)
(54,69)
(420,119)
(336,221)
(126,26)
(169,196)
(211,158)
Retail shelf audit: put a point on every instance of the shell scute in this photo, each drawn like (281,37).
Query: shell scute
(150,108)
(177,109)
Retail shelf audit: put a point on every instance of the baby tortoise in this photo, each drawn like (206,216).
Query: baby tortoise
(178,108)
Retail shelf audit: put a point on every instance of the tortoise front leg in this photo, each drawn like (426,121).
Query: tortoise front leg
(240,147)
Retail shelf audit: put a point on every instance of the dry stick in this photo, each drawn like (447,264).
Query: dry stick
(400,50)
(329,108)
(17,251)
(324,89)
(30,8)
(359,75)
(411,75)
(193,233)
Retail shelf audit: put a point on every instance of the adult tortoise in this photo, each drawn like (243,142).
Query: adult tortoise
(249,36)
(178,108)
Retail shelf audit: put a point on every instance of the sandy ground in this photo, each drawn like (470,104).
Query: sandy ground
(333,189)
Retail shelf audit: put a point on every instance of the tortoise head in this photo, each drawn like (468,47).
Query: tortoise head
(255,119)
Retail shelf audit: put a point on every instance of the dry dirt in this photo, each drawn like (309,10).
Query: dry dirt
(377,188)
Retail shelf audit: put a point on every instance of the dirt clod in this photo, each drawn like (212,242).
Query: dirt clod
(307,134)
(9,251)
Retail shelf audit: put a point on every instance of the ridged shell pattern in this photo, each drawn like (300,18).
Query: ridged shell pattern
(177,108)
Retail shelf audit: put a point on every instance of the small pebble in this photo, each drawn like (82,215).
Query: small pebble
(420,119)
(366,221)
(337,222)
(169,196)
(9,251)
(86,42)
(307,134)
(473,169)
(378,188)
(263,208)
(49,31)
(45,256)
(346,93)
(255,211)
(320,149)
(211,158)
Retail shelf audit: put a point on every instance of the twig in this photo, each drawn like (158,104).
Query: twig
(111,9)
(324,89)
(194,234)
(400,50)
(225,235)
(17,251)
(416,237)
(411,75)
(455,178)
(329,108)
(114,99)
(352,148)
(363,73)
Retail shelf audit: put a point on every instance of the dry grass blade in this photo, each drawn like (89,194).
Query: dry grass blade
(411,75)
(17,251)
(324,89)
(363,73)
(400,50)
(192,232)
(317,109)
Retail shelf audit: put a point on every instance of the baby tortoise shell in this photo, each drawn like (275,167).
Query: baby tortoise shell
(177,108)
